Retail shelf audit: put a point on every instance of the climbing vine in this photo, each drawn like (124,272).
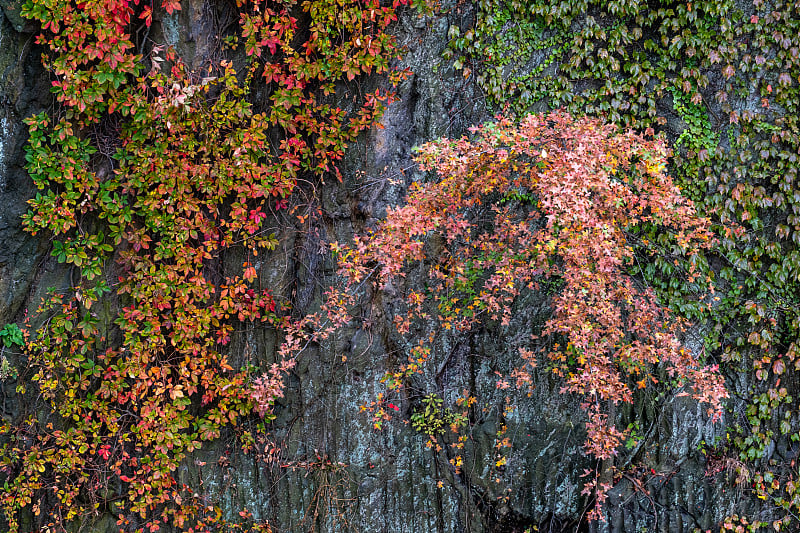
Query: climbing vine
(720,79)
(150,176)
(592,188)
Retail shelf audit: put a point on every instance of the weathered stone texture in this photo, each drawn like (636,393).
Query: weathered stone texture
(380,481)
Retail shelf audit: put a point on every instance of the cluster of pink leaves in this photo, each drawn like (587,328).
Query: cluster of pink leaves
(269,386)
(587,186)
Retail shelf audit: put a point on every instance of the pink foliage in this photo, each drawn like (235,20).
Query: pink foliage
(269,386)
(587,185)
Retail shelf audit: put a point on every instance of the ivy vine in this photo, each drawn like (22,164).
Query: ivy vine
(149,174)
(729,72)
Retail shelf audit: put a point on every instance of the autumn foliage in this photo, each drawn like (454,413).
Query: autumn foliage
(152,177)
(553,201)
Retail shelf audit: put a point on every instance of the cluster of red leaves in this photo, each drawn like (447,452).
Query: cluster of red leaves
(196,173)
(551,198)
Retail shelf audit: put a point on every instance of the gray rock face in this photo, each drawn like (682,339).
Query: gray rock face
(333,471)
(23,91)
(12,11)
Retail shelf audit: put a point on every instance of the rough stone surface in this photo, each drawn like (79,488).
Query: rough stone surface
(23,91)
(380,481)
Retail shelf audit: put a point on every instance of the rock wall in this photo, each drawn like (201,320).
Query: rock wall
(23,86)
(332,470)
